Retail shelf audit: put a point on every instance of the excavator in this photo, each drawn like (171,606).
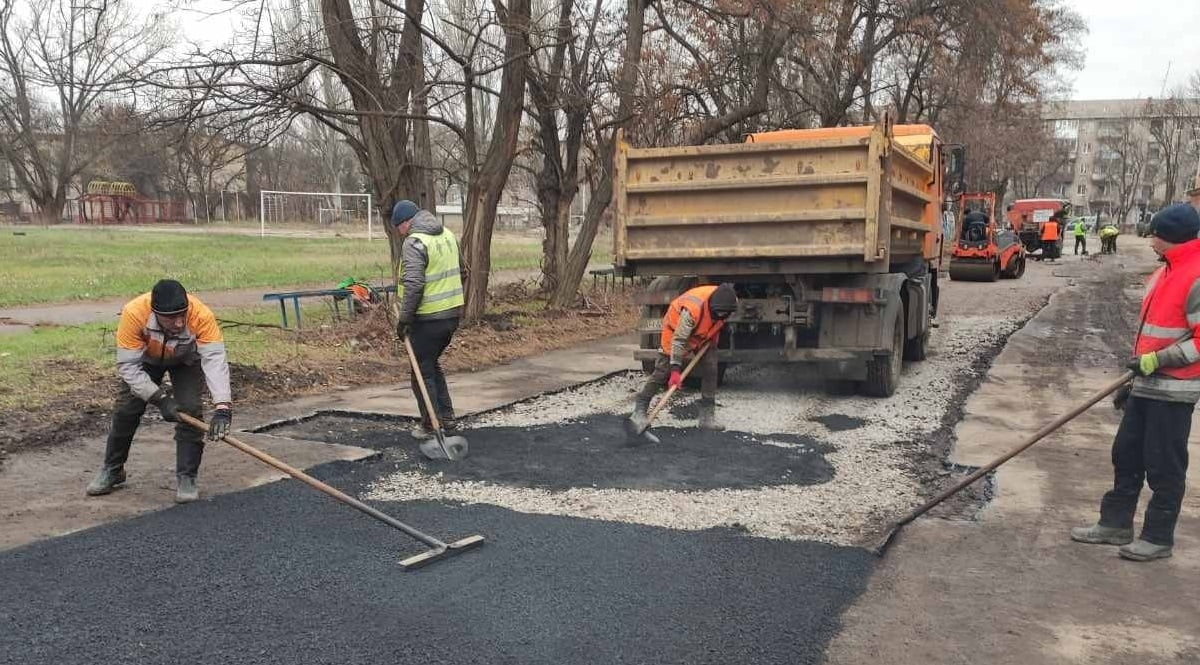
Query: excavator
(983,250)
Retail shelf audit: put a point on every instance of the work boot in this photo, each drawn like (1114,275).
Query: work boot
(106,481)
(1102,535)
(708,416)
(422,430)
(1141,550)
(186,491)
(449,423)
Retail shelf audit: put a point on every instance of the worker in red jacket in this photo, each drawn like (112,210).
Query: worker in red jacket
(694,318)
(1151,443)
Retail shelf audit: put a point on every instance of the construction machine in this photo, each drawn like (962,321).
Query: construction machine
(984,250)
(832,238)
(1027,216)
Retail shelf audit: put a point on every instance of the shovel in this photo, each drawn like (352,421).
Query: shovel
(445,447)
(635,433)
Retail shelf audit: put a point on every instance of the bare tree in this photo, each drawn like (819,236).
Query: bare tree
(1173,123)
(1122,161)
(61,64)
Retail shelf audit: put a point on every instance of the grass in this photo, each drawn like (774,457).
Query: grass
(59,265)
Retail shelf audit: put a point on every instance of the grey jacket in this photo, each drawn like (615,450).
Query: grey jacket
(413,259)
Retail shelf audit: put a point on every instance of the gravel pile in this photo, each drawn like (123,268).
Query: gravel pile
(878,472)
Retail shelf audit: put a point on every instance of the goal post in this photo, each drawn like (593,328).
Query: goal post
(316,212)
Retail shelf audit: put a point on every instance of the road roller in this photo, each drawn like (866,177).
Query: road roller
(984,251)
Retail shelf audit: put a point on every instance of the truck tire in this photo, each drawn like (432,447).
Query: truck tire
(676,284)
(883,372)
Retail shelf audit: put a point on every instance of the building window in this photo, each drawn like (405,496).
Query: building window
(1081,190)
(1087,147)
(1082,168)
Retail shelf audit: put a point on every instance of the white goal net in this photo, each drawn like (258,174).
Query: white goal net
(284,213)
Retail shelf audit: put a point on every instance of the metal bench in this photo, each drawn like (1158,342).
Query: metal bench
(338,296)
(610,278)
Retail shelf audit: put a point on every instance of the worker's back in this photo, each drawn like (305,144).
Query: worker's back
(1050,231)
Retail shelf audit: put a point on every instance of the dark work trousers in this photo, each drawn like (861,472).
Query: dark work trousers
(1151,446)
(1080,244)
(429,339)
(187,382)
(706,369)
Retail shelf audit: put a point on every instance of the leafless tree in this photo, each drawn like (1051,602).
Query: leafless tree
(1122,161)
(62,64)
(1173,124)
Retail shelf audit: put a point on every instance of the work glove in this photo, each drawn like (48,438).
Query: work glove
(676,380)
(402,330)
(1144,365)
(1121,397)
(166,404)
(218,425)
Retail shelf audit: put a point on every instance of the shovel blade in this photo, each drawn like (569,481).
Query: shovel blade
(451,448)
(636,434)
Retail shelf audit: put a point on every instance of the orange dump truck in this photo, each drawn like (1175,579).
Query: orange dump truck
(832,238)
(1028,215)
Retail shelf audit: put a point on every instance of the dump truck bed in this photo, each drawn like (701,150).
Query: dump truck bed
(849,199)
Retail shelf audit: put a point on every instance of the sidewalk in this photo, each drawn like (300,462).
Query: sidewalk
(41,490)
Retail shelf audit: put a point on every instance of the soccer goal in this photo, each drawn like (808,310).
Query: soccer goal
(315,212)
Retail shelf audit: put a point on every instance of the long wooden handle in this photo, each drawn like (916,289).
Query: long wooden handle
(416,368)
(314,483)
(671,391)
(1025,445)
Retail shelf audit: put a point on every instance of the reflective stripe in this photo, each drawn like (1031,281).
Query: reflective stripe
(1168,385)
(129,356)
(442,296)
(1151,330)
(1193,319)
(442,275)
(1190,353)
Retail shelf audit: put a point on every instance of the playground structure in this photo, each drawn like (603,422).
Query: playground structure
(119,202)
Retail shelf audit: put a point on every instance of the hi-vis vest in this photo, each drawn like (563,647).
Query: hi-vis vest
(1050,231)
(1165,319)
(1080,229)
(695,301)
(443,281)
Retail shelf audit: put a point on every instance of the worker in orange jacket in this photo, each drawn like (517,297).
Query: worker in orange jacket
(694,318)
(1050,231)
(166,331)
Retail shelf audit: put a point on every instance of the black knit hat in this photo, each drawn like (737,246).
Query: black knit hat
(168,297)
(1177,223)
(723,301)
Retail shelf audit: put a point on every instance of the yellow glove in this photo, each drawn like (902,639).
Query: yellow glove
(1145,364)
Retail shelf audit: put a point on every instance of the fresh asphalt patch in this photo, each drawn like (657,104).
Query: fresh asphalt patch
(280,574)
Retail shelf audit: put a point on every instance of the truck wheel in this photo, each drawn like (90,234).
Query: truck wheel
(883,372)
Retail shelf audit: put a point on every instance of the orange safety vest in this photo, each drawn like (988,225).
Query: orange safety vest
(1050,231)
(695,301)
(1164,313)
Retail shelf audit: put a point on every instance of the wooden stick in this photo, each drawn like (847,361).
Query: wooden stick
(672,390)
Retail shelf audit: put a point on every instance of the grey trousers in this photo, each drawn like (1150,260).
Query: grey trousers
(187,381)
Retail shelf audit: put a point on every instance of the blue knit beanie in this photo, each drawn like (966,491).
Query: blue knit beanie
(403,211)
(1176,223)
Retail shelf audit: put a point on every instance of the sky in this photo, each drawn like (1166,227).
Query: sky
(1133,44)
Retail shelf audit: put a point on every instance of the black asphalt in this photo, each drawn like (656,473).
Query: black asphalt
(280,574)
(595,452)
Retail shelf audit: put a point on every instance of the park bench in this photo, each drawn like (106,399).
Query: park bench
(610,278)
(338,295)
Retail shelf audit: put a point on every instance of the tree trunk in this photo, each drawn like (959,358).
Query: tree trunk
(487,185)
(581,252)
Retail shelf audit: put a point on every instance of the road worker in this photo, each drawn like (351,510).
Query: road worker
(1080,230)
(1108,239)
(167,331)
(431,301)
(1050,236)
(1152,441)
(694,318)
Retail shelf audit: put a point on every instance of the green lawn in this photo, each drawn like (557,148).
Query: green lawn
(59,265)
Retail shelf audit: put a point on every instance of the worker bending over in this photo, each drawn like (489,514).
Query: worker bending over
(1151,442)
(694,318)
(166,331)
(1108,239)
(431,301)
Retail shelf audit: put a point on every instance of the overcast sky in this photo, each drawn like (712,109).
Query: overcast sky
(1131,43)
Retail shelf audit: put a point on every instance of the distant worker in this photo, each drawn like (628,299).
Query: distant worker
(431,301)
(1050,237)
(1152,441)
(166,331)
(693,318)
(1080,230)
(1108,239)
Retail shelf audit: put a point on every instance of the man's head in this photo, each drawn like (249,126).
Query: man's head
(723,302)
(169,302)
(402,214)
(1173,225)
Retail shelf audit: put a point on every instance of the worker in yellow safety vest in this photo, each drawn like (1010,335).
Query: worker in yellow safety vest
(431,301)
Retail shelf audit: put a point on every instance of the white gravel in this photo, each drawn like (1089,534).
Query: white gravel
(873,480)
